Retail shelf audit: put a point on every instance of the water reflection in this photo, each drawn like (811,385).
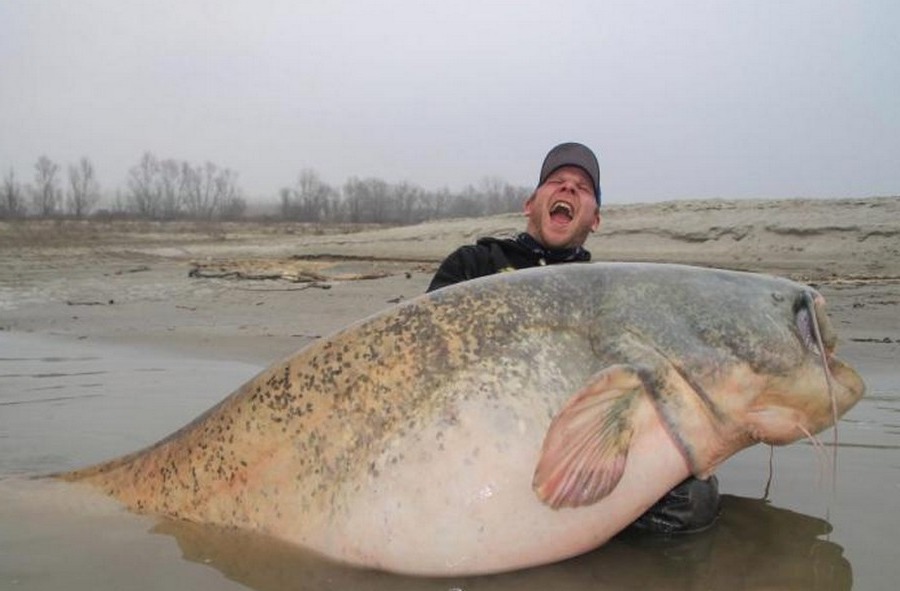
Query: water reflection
(753,546)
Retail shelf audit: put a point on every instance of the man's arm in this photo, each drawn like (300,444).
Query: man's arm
(449,272)
(464,263)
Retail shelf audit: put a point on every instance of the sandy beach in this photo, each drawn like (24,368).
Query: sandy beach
(112,334)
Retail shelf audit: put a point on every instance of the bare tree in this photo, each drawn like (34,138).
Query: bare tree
(409,200)
(353,201)
(233,208)
(316,198)
(310,199)
(199,183)
(207,188)
(46,194)
(438,203)
(514,197)
(172,189)
(12,198)
(144,195)
(467,204)
(120,206)
(367,200)
(168,189)
(287,203)
(375,200)
(84,192)
(226,193)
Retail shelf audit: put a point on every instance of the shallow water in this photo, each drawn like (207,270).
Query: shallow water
(67,403)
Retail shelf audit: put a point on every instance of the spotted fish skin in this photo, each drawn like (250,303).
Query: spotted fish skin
(414,440)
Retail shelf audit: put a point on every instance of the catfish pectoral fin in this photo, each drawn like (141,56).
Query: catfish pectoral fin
(584,451)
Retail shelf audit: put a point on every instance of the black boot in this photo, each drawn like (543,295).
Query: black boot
(691,506)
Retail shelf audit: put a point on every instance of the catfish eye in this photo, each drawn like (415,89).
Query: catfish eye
(807,322)
(804,320)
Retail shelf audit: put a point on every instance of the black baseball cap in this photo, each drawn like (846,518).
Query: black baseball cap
(572,154)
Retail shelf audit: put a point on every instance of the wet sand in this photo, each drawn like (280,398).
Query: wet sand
(115,334)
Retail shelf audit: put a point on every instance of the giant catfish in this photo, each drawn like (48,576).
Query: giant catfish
(505,422)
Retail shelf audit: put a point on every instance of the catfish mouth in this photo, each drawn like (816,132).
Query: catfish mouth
(562,211)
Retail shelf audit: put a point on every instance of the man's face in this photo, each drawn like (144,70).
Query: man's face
(563,211)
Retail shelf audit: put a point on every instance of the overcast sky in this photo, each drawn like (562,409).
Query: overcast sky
(686,99)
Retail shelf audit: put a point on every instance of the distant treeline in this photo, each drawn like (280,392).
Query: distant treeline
(169,189)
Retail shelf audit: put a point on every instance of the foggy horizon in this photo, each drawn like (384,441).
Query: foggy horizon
(700,100)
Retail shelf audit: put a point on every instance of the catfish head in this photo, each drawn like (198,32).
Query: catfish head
(792,406)
(726,359)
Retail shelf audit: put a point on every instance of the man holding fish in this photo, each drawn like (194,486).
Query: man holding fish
(562,212)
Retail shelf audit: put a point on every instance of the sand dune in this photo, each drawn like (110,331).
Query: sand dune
(812,239)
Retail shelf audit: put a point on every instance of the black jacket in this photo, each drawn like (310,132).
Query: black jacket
(492,255)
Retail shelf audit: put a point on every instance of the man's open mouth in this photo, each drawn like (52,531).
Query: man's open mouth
(562,211)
